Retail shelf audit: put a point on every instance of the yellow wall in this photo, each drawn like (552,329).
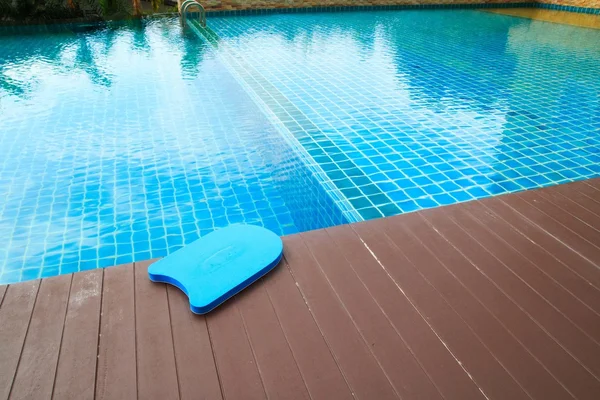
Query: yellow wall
(256,4)
(265,4)
(575,3)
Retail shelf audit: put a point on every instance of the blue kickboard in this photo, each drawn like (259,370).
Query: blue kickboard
(219,265)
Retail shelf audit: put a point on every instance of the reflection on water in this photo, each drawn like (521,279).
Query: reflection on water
(28,61)
(125,143)
(433,107)
(556,16)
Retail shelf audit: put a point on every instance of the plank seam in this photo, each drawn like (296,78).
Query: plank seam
(522,234)
(135,338)
(317,325)
(62,335)
(589,197)
(518,305)
(586,182)
(99,332)
(212,349)
(549,233)
(382,310)
(523,280)
(337,296)
(3,295)
(447,268)
(251,347)
(443,298)
(536,206)
(536,266)
(575,204)
(173,342)
(12,384)
(262,282)
(460,364)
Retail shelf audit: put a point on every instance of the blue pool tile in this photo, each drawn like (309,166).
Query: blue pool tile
(389,210)
(432,189)
(68,268)
(477,192)
(510,186)
(426,202)
(407,206)
(361,203)
(10,276)
(370,189)
(379,199)
(415,193)
(495,189)
(348,126)
(387,187)
(443,199)
(461,196)
(370,213)
(540,180)
(352,193)
(398,195)
(405,183)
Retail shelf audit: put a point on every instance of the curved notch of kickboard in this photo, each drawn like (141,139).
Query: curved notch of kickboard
(203,309)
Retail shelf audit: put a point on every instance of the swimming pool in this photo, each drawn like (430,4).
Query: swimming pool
(127,142)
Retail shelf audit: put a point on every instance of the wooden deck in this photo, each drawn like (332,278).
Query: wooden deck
(496,299)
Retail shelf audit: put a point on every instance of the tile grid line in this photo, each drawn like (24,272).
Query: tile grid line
(346,208)
(506,180)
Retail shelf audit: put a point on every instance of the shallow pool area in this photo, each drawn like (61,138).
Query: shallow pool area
(415,109)
(129,141)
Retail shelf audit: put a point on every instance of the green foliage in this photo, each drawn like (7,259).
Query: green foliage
(38,10)
(24,11)
(156,4)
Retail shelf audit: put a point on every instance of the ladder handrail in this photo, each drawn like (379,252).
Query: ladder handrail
(191,3)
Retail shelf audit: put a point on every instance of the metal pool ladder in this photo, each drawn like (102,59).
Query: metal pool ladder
(186,5)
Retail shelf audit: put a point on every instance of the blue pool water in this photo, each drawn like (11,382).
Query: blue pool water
(127,142)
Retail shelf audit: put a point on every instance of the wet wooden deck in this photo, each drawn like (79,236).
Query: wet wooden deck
(495,299)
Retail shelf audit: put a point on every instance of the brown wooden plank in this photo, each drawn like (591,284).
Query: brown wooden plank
(363,374)
(574,202)
(447,326)
(440,364)
(196,367)
(280,374)
(589,191)
(564,217)
(116,371)
(477,276)
(498,334)
(553,227)
(15,314)
(554,322)
(403,370)
(489,374)
(582,193)
(156,371)
(537,278)
(579,264)
(439,260)
(593,183)
(37,367)
(577,285)
(76,371)
(319,369)
(240,378)
(2,293)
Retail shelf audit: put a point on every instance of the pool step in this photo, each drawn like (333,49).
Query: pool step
(301,133)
